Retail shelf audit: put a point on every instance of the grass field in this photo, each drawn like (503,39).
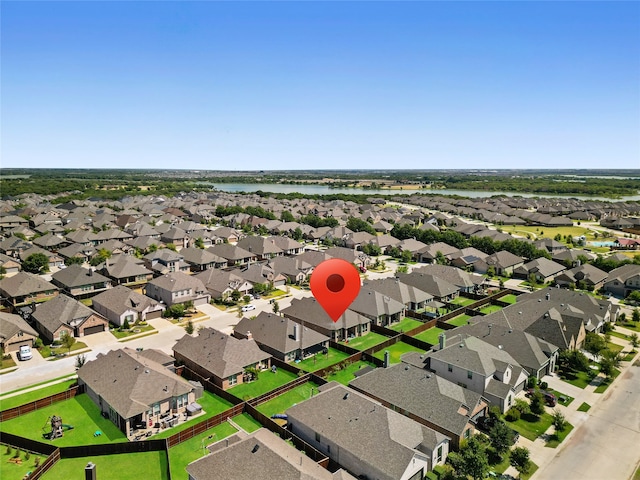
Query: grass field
(459,320)
(614,347)
(151,465)
(605,383)
(13,471)
(369,340)
(510,298)
(430,336)
(7,362)
(27,397)
(282,402)
(79,411)
(557,438)
(463,301)
(320,360)
(345,375)
(396,351)
(578,379)
(531,426)
(548,232)
(247,422)
(584,407)
(490,309)
(405,325)
(568,398)
(132,331)
(183,454)
(266,382)
(211,404)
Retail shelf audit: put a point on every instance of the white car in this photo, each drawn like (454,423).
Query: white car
(25,352)
(248,308)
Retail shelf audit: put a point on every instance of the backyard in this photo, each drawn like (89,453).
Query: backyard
(365,342)
(509,298)
(346,374)
(11,468)
(79,411)
(405,325)
(282,402)
(430,336)
(487,309)
(151,465)
(320,360)
(34,395)
(266,382)
(396,351)
(459,320)
(463,301)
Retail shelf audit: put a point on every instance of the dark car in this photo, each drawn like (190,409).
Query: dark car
(549,398)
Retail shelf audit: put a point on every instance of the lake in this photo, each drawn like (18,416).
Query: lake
(325,190)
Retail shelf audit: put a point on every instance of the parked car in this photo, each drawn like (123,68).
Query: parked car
(248,308)
(25,352)
(549,398)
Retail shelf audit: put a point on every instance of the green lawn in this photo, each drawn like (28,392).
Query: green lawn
(365,342)
(45,382)
(614,347)
(605,383)
(430,336)
(629,356)
(578,379)
(510,298)
(557,438)
(320,360)
(13,471)
(623,336)
(63,351)
(183,454)
(247,422)
(27,397)
(396,351)
(635,326)
(152,465)
(266,382)
(584,407)
(7,362)
(345,375)
(282,402)
(211,404)
(531,426)
(459,320)
(463,301)
(490,309)
(135,330)
(405,325)
(568,398)
(79,411)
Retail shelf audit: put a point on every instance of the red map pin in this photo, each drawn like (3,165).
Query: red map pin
(335,283)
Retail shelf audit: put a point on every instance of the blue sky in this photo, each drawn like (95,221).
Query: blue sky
(309,85)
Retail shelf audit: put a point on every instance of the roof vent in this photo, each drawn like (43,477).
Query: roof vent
(255,448)
(500,347)
(346,395)
(406,367)
(146,371)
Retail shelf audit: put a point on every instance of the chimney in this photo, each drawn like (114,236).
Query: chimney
(490,325)
(442,340)
(249,335)
(296,332)
(547,296)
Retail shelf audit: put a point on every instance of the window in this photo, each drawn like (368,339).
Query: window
(469,374)
(317,437)
(449,368)
(156,409)
(467,433)
(439,456)
(233,379)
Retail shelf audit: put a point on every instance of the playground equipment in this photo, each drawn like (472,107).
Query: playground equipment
(57,428)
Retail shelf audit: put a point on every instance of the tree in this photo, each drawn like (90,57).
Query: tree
(276,307)
(102,256)
(80,361)
(472,459)
(67,341)
(36,263)
(199,243)
(441,259)
(406,256)
(519,459)
(633,338)
(536,404)
(172,246)
(559,420)
(609,362)
(635,316)
(74,261)
(501,437)
(594,344)
(189,327)
(246,298)
(3,272)
(287,216)
(359,225)
(634,297)
(235,295)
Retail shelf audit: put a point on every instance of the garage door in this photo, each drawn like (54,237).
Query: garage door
(152,315)
(96,329)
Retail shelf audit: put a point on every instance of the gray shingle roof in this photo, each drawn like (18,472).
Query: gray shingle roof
(23,283)
(309,310)
(11,324)
(120,299)
(62,310)
(76,276)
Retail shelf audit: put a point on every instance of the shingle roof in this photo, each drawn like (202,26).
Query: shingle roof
(120,299)
(76,276)
(11,324)
(130,383)
(23,283)
(61,310)
(308,310)
(400,291)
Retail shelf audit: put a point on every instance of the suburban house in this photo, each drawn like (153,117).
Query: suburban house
(294,269)
(221,284)
(358,258)
(584,276)
(543,269)
(383,310)
(426,398)
(263,248)
(178,288)
(11,265)
(503,262)
(200,259)
(281,337)
(262,454)
(121,303)
(164,261)
(15,332)
(412,297)
(126,270)
(289,246)
(234,255)
(309,313)
(429,254)
(26,288)
(260,274)
(65,315)
(465,281)
(477,365)
(80,282)
(135,391)
(366,438)
(623,280)
(440,289)
(536,356)
(227,361)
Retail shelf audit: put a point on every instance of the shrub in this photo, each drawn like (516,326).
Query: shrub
(531,381)
(513,414)
(544,385)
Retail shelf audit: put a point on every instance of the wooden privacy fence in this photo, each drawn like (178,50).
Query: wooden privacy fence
(265,397)
(203,426)
(42,403)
